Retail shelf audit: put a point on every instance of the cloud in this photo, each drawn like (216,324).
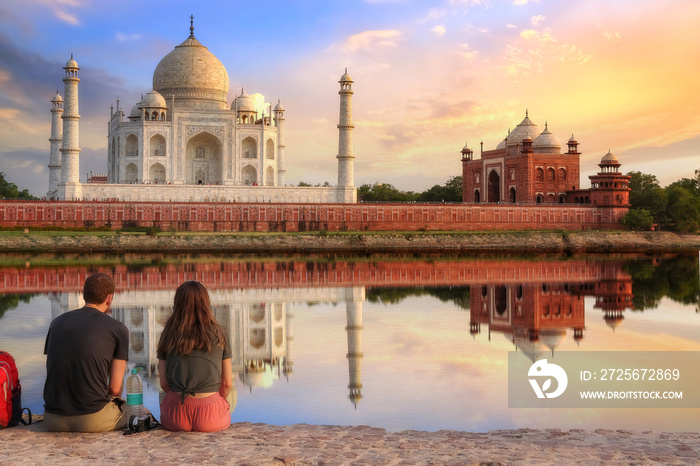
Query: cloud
(467,53)
(534,50)
(536,20)
(370,39)
(439,30)
(121,37)
(511,26)
(612,36)
(67,17)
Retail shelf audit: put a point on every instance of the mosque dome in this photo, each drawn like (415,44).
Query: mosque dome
(57,98)
(243,103)
(193,75)
(524,129)
(279,107)
(71,63)
(501,145)
(572,140)
(153,100)
(466,146)
(345,77)
(136,110)
(609,159)
(546,140)
(552,338)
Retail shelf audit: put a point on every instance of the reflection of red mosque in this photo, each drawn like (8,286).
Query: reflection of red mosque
(536,315)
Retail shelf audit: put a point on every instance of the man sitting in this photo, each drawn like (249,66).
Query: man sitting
(86,353)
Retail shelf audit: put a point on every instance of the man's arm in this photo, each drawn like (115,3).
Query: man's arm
(116,377)
(226,378)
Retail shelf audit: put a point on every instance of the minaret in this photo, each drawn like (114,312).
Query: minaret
(279,122)
(354,297)
(288,369)
(55,151)
(346,175)
(70,150)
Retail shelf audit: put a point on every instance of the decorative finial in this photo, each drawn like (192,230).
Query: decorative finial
(191,25)
(545,125)
(346,70)
(525,113)
(71,55)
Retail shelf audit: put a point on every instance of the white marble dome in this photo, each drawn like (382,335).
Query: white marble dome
(71,63)
(57,98)
(524,129)
(153,100)
(243,103)
(193,75)
(609,159)
(546,142)
(136,111)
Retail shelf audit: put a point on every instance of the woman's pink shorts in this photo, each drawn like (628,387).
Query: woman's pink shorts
(197,414)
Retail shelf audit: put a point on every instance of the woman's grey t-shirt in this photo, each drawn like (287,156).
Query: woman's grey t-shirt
(198,372)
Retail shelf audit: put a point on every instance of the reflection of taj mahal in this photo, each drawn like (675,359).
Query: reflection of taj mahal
(257,322)
(184,142)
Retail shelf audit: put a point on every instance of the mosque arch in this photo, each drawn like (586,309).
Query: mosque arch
(477,196)
(157,146)
(132,146)
(157,173)
(550,198)
(203,160)
(154,116)
(512,195)
(270,149)
(249,148)
(500,298)
(270,176)
(550,174)
(257,313)
(562,198)
(131,174)
(249,175)
(257,337)
(538,199)
(279,336)
(162,116)
(494,187)
(539,174)
(562,174)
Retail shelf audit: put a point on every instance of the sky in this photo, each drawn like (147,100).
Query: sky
(620,75)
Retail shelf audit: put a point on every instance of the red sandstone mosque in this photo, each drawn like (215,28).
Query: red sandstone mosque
(528,167)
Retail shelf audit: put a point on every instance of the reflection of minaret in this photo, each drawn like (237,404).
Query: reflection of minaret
(287,370)
(354,297)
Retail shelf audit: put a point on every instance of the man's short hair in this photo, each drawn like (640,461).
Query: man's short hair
(97,287)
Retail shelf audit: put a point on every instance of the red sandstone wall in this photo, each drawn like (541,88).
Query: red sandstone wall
(308,217)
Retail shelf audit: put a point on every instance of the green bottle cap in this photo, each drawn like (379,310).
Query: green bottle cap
(134,371)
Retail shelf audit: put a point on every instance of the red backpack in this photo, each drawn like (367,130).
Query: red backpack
(10,393)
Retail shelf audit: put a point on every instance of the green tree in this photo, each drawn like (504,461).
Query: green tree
(683,209)
(638,219)
(451,191)
(10,191)
(384,193)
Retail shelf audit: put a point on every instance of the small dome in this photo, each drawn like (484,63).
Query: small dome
(243,103)
(153,100)
(136,110)
(57,98)
(546,140)
(279,107)
(345,78)
(609,159)
(527,139)
(572,140)
(501,145)
(466,146)
(524,129)
(71,63)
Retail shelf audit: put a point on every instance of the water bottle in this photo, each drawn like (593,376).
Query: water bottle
(134,395)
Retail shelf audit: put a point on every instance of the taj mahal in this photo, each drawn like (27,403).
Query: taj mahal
(184,142)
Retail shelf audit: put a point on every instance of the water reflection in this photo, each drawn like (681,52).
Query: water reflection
(538,305)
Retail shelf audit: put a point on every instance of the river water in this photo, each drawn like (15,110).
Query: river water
(414,342)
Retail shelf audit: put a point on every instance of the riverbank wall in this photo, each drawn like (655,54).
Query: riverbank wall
(275,217)
(359,243)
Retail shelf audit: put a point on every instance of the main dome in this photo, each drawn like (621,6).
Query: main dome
(193,75)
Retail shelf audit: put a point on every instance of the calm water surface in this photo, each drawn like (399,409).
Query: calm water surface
(400,343)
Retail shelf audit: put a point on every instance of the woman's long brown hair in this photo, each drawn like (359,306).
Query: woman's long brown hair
(192,324)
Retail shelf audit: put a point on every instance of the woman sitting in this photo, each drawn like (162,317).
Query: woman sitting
(194,365)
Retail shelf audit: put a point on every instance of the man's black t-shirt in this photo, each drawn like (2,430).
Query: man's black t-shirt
(80,347)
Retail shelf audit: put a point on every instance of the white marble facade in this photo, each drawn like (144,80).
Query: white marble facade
(184,142)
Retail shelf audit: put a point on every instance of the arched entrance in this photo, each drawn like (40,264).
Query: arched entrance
(512,195)
(157,173)
(494,183)
(477,196)
(131,174)
(249,175)
(203,160)
(269,176)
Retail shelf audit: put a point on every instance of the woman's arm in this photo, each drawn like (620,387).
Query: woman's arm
(226,378)
(162,376)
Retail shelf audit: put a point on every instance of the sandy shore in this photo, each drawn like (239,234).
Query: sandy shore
(260,444)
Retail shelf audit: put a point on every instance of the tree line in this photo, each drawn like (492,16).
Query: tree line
(11,191)
(675,207)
